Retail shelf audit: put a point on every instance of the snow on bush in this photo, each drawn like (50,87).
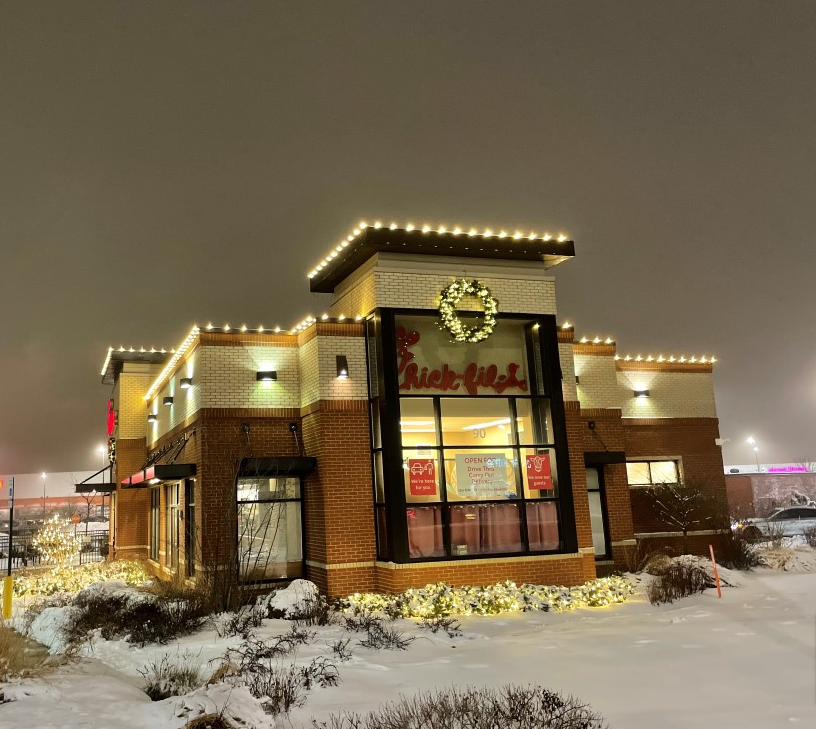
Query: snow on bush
(443,600)
(290,600)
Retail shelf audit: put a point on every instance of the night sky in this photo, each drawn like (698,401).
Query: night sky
(164,164)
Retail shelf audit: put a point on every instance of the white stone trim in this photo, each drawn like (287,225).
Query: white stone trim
(696,533)
(339,566)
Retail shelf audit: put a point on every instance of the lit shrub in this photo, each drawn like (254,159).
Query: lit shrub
(57,541)
(39,583)
(441,600)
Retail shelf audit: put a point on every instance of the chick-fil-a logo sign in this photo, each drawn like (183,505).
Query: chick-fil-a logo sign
(448,379)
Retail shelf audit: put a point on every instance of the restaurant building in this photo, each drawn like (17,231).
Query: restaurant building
(437,423)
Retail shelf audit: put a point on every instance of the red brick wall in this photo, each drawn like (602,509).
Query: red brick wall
(608,435)
(339,504)
(740,496)
(132,506)
(693,441)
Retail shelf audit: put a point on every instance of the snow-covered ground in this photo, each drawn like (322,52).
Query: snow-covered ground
(747,660)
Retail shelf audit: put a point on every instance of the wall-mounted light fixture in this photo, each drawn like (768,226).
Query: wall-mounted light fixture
(186,383)
(167,400)
(577,380)
(152,418)
(266,376)
(342,367)
(640,393)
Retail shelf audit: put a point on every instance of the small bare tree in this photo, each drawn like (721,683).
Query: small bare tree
(685,506)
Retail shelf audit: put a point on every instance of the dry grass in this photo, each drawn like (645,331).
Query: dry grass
(18,656)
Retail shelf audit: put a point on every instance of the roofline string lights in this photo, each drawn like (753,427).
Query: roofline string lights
(425,229)
(660,359)
(142,350)
(168,368)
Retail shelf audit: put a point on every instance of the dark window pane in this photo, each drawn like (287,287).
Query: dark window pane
(533,422)
(425,531)
(384,548)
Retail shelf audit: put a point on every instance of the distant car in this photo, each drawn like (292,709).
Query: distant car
(787,522)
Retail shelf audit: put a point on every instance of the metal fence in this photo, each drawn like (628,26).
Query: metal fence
(24,554)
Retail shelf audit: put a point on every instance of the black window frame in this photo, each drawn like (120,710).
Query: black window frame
(543,361)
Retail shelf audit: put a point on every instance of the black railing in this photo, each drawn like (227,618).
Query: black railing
(24,554)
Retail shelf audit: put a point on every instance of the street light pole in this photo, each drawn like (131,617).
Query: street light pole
(44,477)
(752,442)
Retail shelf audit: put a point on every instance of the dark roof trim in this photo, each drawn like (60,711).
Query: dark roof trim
(277,466)
(385,240)
(153,474)
(603,458)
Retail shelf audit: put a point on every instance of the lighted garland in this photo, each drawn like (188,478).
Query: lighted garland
(450,321)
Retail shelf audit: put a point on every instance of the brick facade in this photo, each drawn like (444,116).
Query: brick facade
(228,415)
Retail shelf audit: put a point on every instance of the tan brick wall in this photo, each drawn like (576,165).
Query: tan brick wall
(598,386)
(132,506)
(671,394)
(134,380)
(416,283)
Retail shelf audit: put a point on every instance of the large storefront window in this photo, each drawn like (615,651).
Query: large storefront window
(474,439)
(270,537)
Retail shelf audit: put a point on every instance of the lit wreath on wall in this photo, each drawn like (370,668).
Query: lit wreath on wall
(451,322)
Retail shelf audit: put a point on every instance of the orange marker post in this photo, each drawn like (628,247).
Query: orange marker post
(716,574)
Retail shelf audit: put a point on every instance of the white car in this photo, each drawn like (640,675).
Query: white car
(787,522)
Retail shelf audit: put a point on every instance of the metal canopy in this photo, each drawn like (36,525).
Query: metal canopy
(154,474)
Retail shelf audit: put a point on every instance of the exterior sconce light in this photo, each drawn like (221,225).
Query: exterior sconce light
(152,418)
(640,393)
(577,379)
(266,376)
(168,400)
(342,367)
(185,383)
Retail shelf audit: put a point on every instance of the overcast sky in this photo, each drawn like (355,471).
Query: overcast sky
(164,164)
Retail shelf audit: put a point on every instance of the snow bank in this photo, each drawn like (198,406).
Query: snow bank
(290,599)
(49,626)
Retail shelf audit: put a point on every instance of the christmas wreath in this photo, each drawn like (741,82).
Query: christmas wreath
(451,322)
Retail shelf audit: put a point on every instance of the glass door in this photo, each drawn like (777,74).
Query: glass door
(597,512)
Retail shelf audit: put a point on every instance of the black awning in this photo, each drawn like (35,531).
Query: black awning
(603,458)
(100,488)
(162,472)
(104,485)
(277,466)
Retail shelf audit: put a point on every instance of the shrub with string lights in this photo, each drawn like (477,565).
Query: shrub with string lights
(66,579)
(441,600)
(57,542)
(450,321)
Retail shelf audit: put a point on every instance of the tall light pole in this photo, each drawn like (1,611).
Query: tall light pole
(752,442)
(44,478)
